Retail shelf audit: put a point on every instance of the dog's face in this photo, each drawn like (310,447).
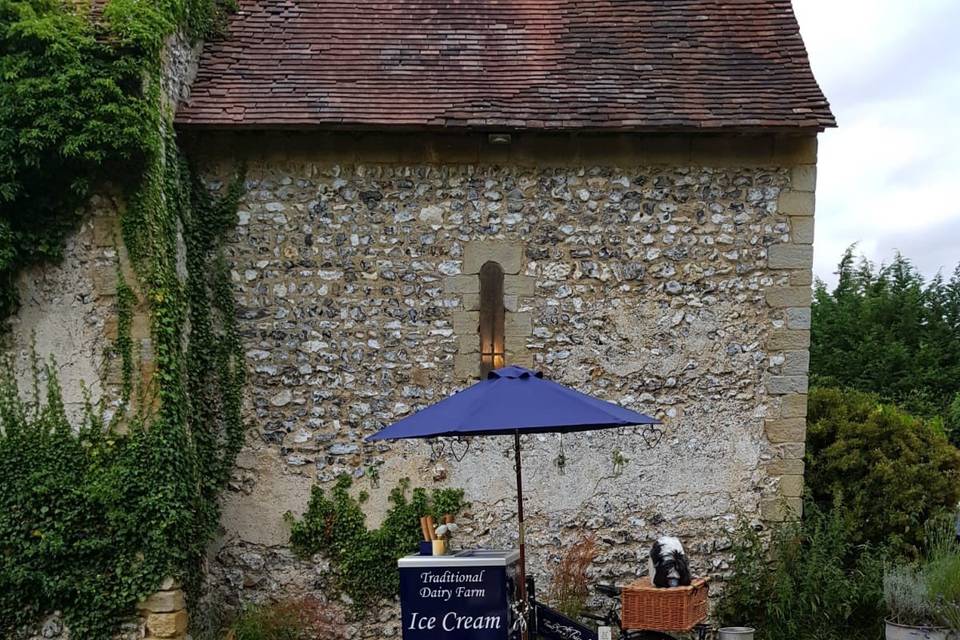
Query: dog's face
(668,564)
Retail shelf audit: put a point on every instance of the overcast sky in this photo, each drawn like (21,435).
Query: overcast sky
(889,176)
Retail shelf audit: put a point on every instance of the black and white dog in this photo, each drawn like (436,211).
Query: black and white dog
(668,564)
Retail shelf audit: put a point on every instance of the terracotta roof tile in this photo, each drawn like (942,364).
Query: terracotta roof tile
(509,64)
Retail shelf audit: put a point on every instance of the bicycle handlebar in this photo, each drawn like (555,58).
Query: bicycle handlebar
(610,590)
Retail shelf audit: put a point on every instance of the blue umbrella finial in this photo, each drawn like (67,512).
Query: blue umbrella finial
(514,372)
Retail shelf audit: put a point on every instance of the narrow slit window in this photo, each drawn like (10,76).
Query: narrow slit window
(492,314)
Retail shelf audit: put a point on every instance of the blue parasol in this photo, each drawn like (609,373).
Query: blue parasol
(513,401)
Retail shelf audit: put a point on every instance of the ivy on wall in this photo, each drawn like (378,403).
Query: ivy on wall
(75,111)
(126,299)
(95,515)
(364,560)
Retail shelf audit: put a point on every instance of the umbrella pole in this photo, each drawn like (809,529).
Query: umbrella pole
(523,554)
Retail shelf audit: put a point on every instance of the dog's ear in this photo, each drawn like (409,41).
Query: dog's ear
(656,551)
(683,569)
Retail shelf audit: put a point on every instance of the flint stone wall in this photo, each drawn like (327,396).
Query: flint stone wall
(668,274)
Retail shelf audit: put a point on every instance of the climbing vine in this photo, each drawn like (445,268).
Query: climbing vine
(96,512)
(365,561)
(74,111)
(94,515)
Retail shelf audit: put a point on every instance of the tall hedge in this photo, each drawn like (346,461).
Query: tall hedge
(887,330)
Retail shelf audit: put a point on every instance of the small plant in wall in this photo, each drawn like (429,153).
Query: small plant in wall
(373,472)
(619,461)
(569,583)
(305,618)
(561,459)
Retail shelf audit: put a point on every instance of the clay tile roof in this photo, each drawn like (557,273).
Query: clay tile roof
(642,65)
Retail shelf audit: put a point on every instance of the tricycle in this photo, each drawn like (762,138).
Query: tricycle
(636,611)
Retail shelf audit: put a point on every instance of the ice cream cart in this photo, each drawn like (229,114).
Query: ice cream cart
(468,595)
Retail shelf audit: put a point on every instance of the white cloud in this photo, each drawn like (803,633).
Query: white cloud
(888,177)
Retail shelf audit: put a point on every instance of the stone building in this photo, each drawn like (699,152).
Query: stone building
(639,178)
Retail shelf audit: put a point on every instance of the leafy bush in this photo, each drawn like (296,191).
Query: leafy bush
(893,471)
(812,582)
(365,560)
(302,619)
(744,599)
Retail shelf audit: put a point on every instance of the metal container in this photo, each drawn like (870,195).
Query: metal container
(896,631)
(736,633)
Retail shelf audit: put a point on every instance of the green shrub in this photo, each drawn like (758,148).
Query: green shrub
(366,561)
(744,598)
(302,619)
(892,471)
(812,582)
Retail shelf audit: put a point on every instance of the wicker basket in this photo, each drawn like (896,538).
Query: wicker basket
(678,609)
